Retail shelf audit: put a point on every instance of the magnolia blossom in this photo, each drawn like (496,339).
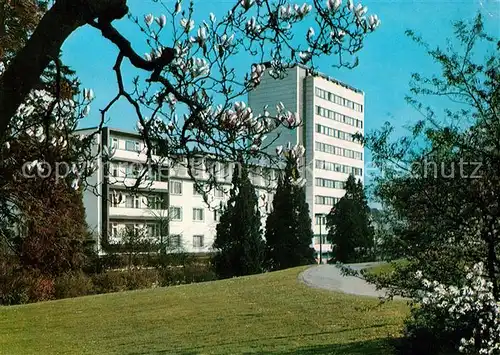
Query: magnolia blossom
(333,5)
(212,17)
(252,27)
(247,4)
(178,7)
(373,22)
(305,56)
(188,25)
(258,71)
(201,37)
(310,33)
(161,21)
(199,67)
(279,150)
(148,19)
(2,68)
(350,5)
(226,41)
(88,94)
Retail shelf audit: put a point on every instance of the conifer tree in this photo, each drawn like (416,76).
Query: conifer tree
(349,225)
(288,227)
(238,242)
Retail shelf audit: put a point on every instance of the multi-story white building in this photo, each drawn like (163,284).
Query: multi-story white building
(331,113)
(166,195)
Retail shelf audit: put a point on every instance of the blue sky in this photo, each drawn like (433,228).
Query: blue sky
(386,61)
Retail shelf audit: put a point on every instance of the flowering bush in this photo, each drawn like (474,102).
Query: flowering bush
(465,318)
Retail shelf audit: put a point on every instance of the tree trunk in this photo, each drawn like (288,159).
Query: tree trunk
(45,44)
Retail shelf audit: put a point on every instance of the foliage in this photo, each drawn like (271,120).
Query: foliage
(255,314)
(238,245)
(464,318)
(441,183)
(349,225)
(186,100)
(73,284)
(288,227)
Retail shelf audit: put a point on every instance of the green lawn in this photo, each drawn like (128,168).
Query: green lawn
(385,269)
(269,314)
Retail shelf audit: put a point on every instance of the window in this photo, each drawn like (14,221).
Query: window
(131,145)
(154,202)
(198,214)
(225,172)
(137,202)
(219,192)
(174,241)
(129,201)
(113,231)
(198,241)
(176,187)
(175,213)
(114,170)
(320,219)
(195,190)
(325,200)
(153,230)
(331,184)
(114,143)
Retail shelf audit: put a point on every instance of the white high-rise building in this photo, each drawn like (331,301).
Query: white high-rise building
(331,113)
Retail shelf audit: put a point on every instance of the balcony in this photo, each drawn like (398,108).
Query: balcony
(136,213)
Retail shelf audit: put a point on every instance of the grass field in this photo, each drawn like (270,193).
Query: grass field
(268,314)
(385,269)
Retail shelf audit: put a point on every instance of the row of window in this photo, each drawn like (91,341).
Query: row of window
(339,168)
(343,152)
(153,231)
(330,184)
(326,95)
(335,133)
(325,200)
(321,111)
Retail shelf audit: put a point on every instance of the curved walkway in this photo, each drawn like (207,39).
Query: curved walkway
(329,277)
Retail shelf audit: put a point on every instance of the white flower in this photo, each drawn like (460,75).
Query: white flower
(188,25)
(418,274)
(279,150)
(310,33)
(148,19)
(86,111)
(247,4)
(88,94)
(2,68)
(7,145)
(74,184)
(177,7)
(161,21)
(252,26)
(147,56)
(199,67)
(305,56)
(333,5)
(360,10)
(226,41)
(303,10)
(373,22)
(212,17)
(286,12)
(350,5)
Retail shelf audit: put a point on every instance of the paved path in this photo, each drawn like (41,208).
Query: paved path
(330,277)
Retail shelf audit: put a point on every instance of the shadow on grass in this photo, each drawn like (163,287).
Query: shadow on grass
(381,346)
(369,347)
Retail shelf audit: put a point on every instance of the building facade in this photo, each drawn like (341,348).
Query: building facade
(331,113)
(166,196)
